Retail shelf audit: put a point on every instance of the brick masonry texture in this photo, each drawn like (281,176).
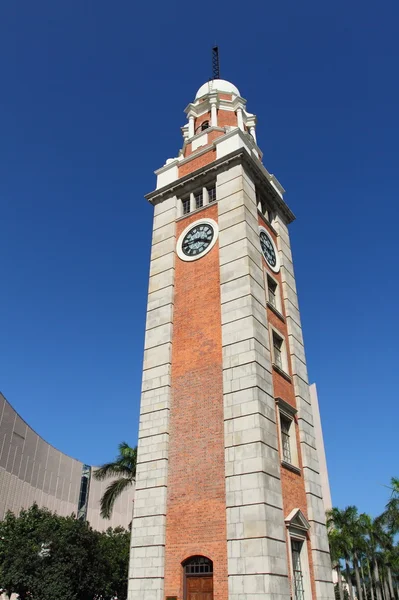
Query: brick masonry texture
(197,162)
(196,503)
(227,117)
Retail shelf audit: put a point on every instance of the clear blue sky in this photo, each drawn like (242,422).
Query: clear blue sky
(92,98)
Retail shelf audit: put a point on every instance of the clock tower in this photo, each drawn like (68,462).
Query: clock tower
(228,501)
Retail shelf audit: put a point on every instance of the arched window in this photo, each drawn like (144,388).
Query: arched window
(198,565)
(204,125)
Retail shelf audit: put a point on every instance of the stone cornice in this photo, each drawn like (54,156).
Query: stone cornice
(239,156)
(285,407)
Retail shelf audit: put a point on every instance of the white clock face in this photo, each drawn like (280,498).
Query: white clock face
(197,239)
(269,250)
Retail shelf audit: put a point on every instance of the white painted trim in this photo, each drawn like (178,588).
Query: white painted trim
(179,244)
(276,268)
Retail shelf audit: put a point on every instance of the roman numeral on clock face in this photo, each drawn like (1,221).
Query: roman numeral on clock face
(197,240)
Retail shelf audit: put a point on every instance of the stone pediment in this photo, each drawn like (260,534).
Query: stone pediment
(297,519)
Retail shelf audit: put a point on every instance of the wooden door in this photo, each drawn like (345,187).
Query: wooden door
(199,588)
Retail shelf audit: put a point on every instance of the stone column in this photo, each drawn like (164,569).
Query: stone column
(191,126)
(257,552)
(311,469)
(214,112)
(146,569)
(240,121)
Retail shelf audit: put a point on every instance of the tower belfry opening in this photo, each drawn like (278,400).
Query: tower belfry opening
(228,499)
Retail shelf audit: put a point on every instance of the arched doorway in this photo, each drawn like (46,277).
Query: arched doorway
(198,578)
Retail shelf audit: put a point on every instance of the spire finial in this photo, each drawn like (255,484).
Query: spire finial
(215,63)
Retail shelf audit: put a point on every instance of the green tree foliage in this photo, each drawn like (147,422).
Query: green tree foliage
(391,513)
(124,469)
(61,558)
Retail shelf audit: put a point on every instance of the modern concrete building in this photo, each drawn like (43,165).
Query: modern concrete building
(229,501)
(31,470)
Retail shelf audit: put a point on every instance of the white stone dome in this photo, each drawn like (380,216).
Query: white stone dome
(217,85)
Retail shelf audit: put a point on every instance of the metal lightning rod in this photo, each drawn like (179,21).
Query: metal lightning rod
(215,63)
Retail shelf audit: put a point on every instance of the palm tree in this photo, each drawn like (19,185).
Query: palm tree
(391,513)
(336,553)
(388,557)
(340,520)
(124,469)
(374,530)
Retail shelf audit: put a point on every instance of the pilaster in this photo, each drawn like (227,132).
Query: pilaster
(257,553)
(146,569)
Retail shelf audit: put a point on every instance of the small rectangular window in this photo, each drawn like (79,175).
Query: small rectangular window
(299,590)
(212,193)
(287,435)
(199,199)
(272,291)
(285,438)
(268,215)
(264,207)
(277,350)
(186,205)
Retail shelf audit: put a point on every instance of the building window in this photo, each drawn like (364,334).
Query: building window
(204,125)
(298,530)
(186,205)
(273,296)
(285,438)
(198,565)
(278,350)
(199,199)
(264,207)
(272,291)
(269,215)
(286,418)
(84,492)
(297,575)
(211,193)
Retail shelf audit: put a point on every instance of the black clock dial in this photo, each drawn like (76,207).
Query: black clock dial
(268,249)
(197,239)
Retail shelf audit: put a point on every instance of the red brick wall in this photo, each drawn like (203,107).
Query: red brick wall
(227,117)
(197,163)
(293,485)
(196,506)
